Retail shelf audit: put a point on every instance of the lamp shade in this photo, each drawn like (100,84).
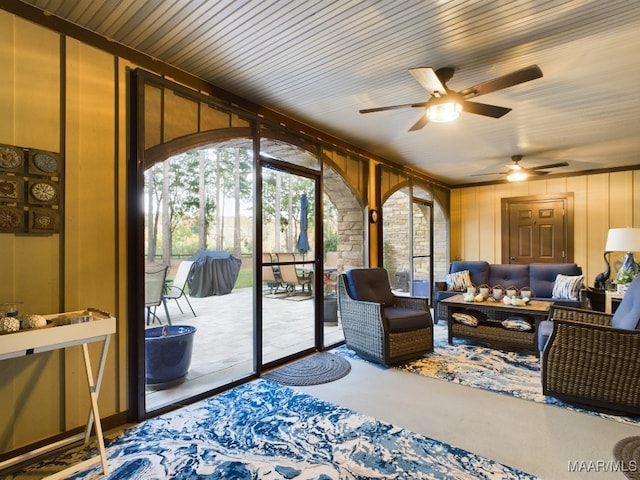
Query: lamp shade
(623,240)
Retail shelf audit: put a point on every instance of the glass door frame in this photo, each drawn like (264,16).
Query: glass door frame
(408,185)
(316,262)
(427,203)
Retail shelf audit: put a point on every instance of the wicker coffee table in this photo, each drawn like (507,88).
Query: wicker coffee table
(491,331)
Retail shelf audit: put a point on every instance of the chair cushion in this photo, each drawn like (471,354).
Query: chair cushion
(545,329)
(627,315)
(370,285)
(405,319)
(508,274)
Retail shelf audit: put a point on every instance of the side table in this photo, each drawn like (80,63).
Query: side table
(610,297)
(30,342)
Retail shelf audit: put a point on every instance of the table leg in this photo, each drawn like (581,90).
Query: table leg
(94,391)
(94,416)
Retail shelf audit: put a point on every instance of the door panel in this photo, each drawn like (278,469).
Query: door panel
(287,303)
(536,231)
(422,267)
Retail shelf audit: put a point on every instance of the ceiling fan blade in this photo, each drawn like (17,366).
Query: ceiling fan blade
(536,172)
(551,165)
(491,173)
(422,121)
(519,76)
(427,77)
(394,107)
(484,109)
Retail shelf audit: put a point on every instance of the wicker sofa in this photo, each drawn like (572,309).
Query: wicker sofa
(379,326)
(539,277)
(592,358)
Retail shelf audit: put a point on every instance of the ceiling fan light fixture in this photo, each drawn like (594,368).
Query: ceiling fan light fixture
(444,112)
(517,175)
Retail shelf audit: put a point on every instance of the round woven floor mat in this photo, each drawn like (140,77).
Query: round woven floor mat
(627,451)
(322,367)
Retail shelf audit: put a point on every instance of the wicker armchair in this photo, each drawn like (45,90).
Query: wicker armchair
(593,358)
(378,325)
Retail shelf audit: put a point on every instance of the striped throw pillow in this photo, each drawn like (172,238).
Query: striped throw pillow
(567,287)
(458,281)
(517,323)
(465,319)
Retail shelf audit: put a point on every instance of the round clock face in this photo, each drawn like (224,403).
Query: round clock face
(45,162)
(9,158)
(43,192)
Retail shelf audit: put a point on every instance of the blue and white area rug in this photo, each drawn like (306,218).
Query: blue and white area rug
(467,363)
(262,430)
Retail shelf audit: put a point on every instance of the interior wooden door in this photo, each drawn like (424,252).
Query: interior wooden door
(537,229)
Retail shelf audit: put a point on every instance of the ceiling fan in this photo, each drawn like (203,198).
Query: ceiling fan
(446,104)
(516,172)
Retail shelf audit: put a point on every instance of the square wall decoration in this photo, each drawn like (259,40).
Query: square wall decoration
(30,190)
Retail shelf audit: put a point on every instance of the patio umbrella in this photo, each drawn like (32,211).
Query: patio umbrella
(303,238)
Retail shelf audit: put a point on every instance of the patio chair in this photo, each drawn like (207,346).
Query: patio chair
(331,273)
(175,288)
(154,285)
(271,274)
(592,358)
(290,276)
(378,325)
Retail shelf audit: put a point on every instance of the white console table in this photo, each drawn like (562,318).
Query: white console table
(31,342)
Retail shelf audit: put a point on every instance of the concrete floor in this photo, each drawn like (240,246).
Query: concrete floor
(223,343)
(543,440)
(540,439)
(547,441)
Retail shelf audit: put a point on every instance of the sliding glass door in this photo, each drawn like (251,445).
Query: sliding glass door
(289,253)
(422,247)
(408,241)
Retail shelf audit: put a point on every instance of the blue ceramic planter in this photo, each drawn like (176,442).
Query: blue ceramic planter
(168,354)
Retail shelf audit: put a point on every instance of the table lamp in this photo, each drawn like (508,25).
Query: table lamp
(624,240)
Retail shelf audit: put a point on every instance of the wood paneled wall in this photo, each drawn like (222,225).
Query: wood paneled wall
(61,95)
(602,201)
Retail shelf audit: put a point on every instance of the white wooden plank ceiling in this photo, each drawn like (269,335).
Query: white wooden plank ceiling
(321,61)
